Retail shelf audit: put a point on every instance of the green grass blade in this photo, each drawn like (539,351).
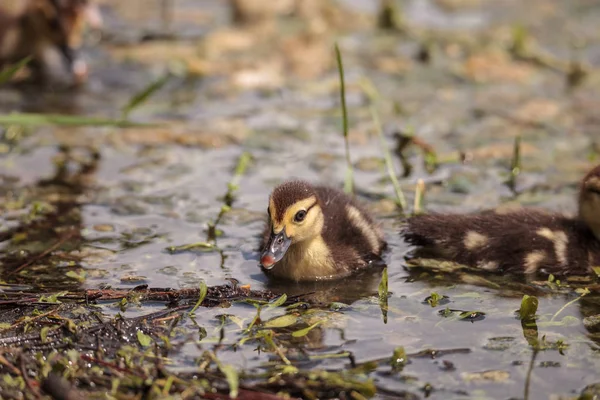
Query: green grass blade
(8,72)
(419,193)
(349,181)
(373,95)
(144,95)
(400,199)
(515,164)
(33,119)
(382,291)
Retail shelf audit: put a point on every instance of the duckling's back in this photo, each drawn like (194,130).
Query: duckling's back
(519,241)
(350,233)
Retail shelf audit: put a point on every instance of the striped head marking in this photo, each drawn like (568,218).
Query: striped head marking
(589,201)
(294,216)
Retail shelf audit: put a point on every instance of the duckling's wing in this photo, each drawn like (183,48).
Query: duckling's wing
(350,233)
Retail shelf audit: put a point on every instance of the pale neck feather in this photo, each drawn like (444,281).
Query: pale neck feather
(307,260)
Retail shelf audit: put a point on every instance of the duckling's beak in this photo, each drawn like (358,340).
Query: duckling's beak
(275,249)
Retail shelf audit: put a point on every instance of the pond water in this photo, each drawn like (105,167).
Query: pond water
(161,186)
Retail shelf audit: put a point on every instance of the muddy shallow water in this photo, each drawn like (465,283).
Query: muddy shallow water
(162,186)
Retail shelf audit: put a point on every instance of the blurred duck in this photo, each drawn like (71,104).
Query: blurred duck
(44,28)
(317,233)
(524,240)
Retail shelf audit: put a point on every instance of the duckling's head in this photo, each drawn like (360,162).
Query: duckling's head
(589,201)
(295,215)
(62,23)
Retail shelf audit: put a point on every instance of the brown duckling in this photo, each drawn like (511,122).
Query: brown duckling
(523,240)
(43,26)
(317,233)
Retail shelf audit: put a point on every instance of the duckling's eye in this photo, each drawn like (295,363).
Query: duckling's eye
(300,215)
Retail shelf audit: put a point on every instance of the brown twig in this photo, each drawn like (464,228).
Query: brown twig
(49,250)
(9,365)
(28,383)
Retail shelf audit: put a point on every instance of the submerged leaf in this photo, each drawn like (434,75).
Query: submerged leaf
(304,332)
(236,320)
(281,322)
(199,246)
(568,320)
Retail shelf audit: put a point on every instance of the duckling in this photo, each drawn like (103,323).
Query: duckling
(43,26)
(317,233)
(524,240)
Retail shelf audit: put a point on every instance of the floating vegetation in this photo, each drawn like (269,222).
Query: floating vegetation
(128,263)
(399,359)
(529,306)
(471,316)
(436,299)
(199,246)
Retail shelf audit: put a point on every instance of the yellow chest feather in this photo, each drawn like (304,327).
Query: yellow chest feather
(307,260)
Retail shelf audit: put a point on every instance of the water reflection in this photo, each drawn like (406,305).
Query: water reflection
(42,247)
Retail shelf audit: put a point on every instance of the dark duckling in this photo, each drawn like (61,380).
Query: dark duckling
(44,26)
(317,233)
(525,240)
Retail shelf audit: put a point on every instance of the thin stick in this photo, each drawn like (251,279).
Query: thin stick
(8,365)
(49,250)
